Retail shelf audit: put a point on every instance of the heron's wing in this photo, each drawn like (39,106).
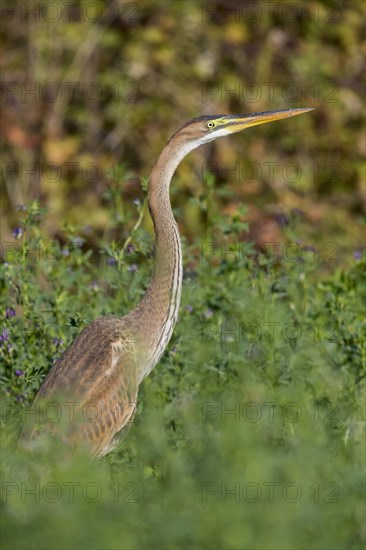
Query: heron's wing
(89,357)
(94,385)
(112,405)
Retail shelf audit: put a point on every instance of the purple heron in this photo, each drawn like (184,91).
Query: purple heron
(103,367)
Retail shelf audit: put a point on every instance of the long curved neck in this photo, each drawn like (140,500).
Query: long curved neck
(158,309)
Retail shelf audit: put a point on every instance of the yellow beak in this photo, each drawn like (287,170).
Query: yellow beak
(235,124)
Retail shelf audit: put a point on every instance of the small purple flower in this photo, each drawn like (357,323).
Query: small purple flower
(19,372)
(17,233)
(9,312)
(111,261)
(189,309)
(4,335)
(132,268)
(208,313)
(357,254)
(308,248)
(130,248)
(57,341)
(137,202)
(78,241)
(65,252)
(282,220)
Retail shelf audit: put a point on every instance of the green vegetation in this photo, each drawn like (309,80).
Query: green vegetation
(249,433)
(251,424)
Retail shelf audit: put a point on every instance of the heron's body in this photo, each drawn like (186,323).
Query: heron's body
(103,367)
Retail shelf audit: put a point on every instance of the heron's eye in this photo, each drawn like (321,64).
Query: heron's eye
(210,124)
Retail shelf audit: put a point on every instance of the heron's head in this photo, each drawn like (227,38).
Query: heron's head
(207,128)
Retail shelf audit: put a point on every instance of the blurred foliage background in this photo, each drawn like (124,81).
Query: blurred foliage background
(91,92)
(89,85)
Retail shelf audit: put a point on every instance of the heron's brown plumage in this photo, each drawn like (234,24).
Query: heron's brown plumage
(94,384)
